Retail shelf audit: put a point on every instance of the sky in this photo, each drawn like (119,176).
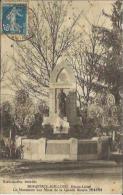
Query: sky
(91,13)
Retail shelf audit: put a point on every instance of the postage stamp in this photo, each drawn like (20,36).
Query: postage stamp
(14,18)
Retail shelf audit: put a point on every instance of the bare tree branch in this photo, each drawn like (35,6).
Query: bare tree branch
(52,37)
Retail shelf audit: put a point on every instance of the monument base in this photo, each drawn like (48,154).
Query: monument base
(60,125)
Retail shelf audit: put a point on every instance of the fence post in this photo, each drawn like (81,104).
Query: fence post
(73,148)
(99,148)
(42,148)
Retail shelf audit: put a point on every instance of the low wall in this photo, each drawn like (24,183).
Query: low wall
(59,150)
(33,149)
(88,149)
(49,150)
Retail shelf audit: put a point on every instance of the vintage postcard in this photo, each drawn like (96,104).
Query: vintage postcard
(61,109)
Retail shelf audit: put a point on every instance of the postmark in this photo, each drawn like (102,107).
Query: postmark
(14,19)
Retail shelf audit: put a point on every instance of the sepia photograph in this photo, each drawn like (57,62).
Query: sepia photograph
(61,105)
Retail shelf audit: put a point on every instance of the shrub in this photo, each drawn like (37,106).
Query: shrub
(47,131)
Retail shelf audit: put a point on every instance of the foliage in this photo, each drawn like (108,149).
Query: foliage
(24,111)
(48,131)
(6,118)
(87,60)
(21,118)
(96,113)
(103,110)
(36,127)
(82,132)
(111,40)
(42,108)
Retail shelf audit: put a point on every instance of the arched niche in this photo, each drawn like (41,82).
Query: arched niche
(62,77)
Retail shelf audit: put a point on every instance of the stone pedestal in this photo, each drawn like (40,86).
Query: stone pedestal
(59,125)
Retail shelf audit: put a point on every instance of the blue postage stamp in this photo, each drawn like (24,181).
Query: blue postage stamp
(14,18)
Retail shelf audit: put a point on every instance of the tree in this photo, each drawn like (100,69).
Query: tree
(36,128)
(87,60)
(6,118)
(4,70)
(111,39)
(53,33)
(24,112)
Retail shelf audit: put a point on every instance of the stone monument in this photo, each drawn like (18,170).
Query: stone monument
(62,99)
